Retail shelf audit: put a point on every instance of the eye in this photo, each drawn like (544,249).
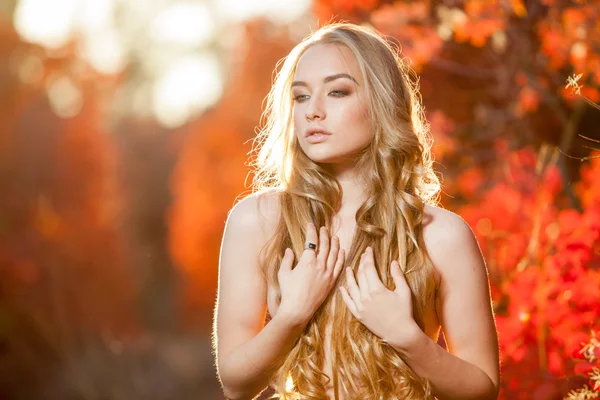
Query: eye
(300,97)
(339,93)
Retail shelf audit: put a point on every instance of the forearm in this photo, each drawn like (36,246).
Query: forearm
(451,377)
(248,369)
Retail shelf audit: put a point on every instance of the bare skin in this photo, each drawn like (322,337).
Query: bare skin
(329,95)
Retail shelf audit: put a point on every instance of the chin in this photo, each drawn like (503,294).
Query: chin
(327,154)
(327,158)
(318,155)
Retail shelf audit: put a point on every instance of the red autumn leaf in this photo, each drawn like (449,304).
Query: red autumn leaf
(529,99)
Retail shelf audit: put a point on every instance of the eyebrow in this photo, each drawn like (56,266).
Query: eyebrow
(328,79)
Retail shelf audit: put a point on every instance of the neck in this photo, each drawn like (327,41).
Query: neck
(354,191)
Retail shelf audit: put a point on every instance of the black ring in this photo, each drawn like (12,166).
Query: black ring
(310,246)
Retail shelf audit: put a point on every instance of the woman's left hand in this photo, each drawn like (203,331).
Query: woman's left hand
(386,313)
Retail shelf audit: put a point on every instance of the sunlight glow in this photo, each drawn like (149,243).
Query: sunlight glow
(65,98)
(277,10)
(104,52)
(47,23)
(102,46)
(182,82)
(96,15)
(190,85)
(289,383)
(189,24)
(31,69)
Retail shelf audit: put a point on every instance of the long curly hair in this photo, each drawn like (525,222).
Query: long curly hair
(397,166)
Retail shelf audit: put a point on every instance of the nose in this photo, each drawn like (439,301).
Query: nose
(315,109)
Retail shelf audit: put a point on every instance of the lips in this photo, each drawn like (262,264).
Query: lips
(317,138)
(314,131)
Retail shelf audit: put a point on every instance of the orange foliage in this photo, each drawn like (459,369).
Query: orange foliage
(441,129)
(571,35)
(343,9)
(71,209)
(407,22)
(544,265)
(529,99)
(63,270)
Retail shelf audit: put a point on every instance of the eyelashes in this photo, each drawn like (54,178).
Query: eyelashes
(340,93)
(336,93)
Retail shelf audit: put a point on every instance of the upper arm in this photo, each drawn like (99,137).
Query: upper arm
(463,301)
(241,295)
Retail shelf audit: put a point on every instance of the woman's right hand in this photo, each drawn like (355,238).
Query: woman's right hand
(304,288)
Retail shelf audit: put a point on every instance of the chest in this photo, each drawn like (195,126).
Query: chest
(342,228)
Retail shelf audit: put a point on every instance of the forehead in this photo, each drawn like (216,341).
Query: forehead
(322,60)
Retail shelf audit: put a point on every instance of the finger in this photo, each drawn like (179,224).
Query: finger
(362,278)
(286,262)
(339,264)
(352,286)
(311,236)
(323,250)
(399,278)
(371,271)
(333,253)
(349,302)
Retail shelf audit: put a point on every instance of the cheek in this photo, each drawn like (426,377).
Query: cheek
(354,111)
(299,116)
(357,118)
(296,121)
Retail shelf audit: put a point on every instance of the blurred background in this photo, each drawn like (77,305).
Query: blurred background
(125,128)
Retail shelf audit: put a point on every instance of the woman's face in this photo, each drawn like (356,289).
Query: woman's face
(329,97)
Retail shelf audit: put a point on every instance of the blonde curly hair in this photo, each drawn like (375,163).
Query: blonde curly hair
(397,165)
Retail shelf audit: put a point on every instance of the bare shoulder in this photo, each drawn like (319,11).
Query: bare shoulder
(442,224)
(445,234)
(256,214)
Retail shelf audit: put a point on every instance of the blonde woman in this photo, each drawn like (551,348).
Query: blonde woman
(337,274)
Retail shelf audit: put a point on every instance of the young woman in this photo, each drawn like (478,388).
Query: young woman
(342,247)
